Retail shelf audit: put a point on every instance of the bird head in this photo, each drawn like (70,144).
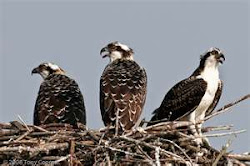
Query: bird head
(116,50)
(212,57)
(47,68)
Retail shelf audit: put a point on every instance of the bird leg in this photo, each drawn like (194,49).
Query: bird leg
(193,130)
(204,140)
(198,139)
(200,118)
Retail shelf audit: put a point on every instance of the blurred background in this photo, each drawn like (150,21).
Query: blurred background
(167,37)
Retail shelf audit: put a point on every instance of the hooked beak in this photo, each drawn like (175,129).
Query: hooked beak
(221,58)
(35,71)
(104,52)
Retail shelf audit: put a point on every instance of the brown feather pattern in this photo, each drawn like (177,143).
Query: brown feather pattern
(123,91)
(59,101)
(181,100)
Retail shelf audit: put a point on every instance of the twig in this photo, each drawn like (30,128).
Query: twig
(19,117)
(191,137)
(91,134)
(8,132)
(226,107)
(147,156)
(151,147)
(162,143)
(241,157)
(108,159)
(71,152)
(44,148)
(22,142)
(182,150)
(101,139)
(217,128)
(24,135)
(62,159)
(157,156)
(5,126)
(224,134)
(168,125)
(223,151)
(122,151)
(39,128)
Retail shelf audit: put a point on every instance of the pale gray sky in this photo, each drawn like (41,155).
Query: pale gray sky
(167,37)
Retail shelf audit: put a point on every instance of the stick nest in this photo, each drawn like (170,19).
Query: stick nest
(166,143)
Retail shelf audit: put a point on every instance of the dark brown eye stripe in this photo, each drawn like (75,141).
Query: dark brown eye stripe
(214,52)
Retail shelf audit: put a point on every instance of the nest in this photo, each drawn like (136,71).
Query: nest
(166,143)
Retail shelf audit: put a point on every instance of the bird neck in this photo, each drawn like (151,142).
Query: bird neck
(46,75)
(210,73)
(207,69)
(60,72)
(121,59)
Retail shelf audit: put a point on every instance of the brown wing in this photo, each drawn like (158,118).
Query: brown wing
(181,100)
(122,93)
(59,101)
(216,99)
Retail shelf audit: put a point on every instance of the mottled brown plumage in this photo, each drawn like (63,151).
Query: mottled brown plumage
(122,89)
(59,98)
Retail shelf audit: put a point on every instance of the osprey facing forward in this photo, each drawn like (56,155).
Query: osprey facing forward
(195,97)
(122,88)
(59,98)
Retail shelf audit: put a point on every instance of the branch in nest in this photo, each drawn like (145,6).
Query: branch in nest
(159,144)
(225,134)
(167,153)
(240,157)
(222,152)
(226,107)
(42,148)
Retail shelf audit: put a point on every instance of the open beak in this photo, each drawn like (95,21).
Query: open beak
(221,58)
(104,52)
(35,71)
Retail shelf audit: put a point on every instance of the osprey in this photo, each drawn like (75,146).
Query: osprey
(59,98)
(122,88)
(195,97)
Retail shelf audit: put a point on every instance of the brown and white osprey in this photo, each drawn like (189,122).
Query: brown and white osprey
(123,87)
(59,98)
(195,97)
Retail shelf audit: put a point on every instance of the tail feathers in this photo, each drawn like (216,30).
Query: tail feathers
(154,119)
